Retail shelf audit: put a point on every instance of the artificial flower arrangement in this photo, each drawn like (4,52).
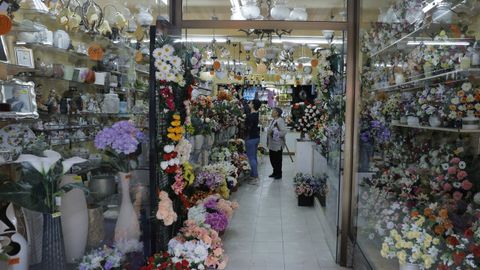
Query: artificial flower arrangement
(165,210)
(171,162)
(195,61)
(168,97)
(324,68)
(452,180)
(38,187)
(198,244)
(318,133)
(431,102)
(308,185)
(464,100)
(169,66)
(120,144)
(391,108)
(219,154)
(110,257)
(201,115)
(164,261)
(374,131)
(412,243)
(305,116)
(175,131)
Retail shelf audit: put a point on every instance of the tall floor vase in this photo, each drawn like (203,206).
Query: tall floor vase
(53,249)
(74,221)
(18,256)
(127,227)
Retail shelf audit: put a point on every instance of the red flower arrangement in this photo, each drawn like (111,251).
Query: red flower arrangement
(164,261)
(167,94)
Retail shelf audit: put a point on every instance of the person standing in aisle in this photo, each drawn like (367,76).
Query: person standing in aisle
(275,140)
(253,138)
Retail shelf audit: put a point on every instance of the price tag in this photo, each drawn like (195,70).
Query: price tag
(56,214)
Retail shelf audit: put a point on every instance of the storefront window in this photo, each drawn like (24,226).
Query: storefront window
(418,178)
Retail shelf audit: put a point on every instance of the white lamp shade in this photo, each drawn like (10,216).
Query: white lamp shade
(299,14)
(280,12)
(250,11)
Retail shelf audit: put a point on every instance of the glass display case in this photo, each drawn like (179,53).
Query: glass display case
(417,178)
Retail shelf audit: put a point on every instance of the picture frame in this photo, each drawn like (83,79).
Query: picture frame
(24,57)
(3,51)
(20,97)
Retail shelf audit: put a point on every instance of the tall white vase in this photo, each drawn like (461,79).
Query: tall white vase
(18,257)
(409,266)
(127,227)
(74,221)
(199,140)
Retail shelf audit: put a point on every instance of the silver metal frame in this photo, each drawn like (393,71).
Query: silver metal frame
(30,86)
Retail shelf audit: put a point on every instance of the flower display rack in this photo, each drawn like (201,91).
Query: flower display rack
(438,128)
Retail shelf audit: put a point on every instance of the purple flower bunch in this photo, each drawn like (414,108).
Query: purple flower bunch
(217,220)
(376,131)
(123,138)
(210,179)
(211,204)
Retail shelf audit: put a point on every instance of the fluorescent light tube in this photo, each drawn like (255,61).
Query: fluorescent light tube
(439,43)
(201,40)
(306,41)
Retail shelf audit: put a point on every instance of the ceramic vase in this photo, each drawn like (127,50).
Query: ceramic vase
(409,266)
(403,120)
(427,70)
(395,121)
(34,226)
(434,121)
(74,221)
(470,121)
(96,229)
(53,249)
(127,227)
(413,121)
(18,257)
(199,140)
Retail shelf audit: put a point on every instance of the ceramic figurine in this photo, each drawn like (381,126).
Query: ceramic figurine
(53,102)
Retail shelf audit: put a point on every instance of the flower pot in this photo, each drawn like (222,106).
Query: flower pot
(127,227)
(102,187)
(409,266)
(427,70)
(399,78)
(199,140)
(366,153)
(53,249)
(470,121)
(395,121)
(403,120)
(74,221)
(209,141)
(413,121)
(305,200)
(434,121)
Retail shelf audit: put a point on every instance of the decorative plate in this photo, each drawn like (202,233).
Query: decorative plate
(13,137)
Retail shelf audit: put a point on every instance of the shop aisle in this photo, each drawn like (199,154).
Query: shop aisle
(270,232)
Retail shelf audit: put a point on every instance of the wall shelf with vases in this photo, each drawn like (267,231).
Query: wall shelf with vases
(454,75)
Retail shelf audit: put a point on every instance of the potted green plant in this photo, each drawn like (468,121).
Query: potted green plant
(39,189)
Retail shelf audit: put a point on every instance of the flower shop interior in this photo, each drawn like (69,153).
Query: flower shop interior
(124,141)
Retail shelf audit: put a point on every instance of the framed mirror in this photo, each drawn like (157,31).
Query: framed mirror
(17,99)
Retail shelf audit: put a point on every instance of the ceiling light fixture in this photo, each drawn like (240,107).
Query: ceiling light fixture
(201,40)
(439,43)
(306,40)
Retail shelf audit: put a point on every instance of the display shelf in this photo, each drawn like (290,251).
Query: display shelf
(64,128)
(77,83)
(427,28)
(412,84)
(70,141)
(13,69)
(50,48)
(14,116)
(458,130)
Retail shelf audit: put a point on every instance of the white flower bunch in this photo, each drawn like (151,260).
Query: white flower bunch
(169,66)
(197,213)
(183,148)
(194,251)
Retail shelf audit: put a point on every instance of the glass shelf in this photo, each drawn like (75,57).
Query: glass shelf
(46,47)
(457,130)
(70,141)
(426,28)
(13,69)
(416,83)
(59,128)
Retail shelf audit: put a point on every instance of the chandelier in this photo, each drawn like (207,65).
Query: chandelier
(277,10)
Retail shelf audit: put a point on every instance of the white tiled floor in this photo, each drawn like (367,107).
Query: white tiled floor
(270,232)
